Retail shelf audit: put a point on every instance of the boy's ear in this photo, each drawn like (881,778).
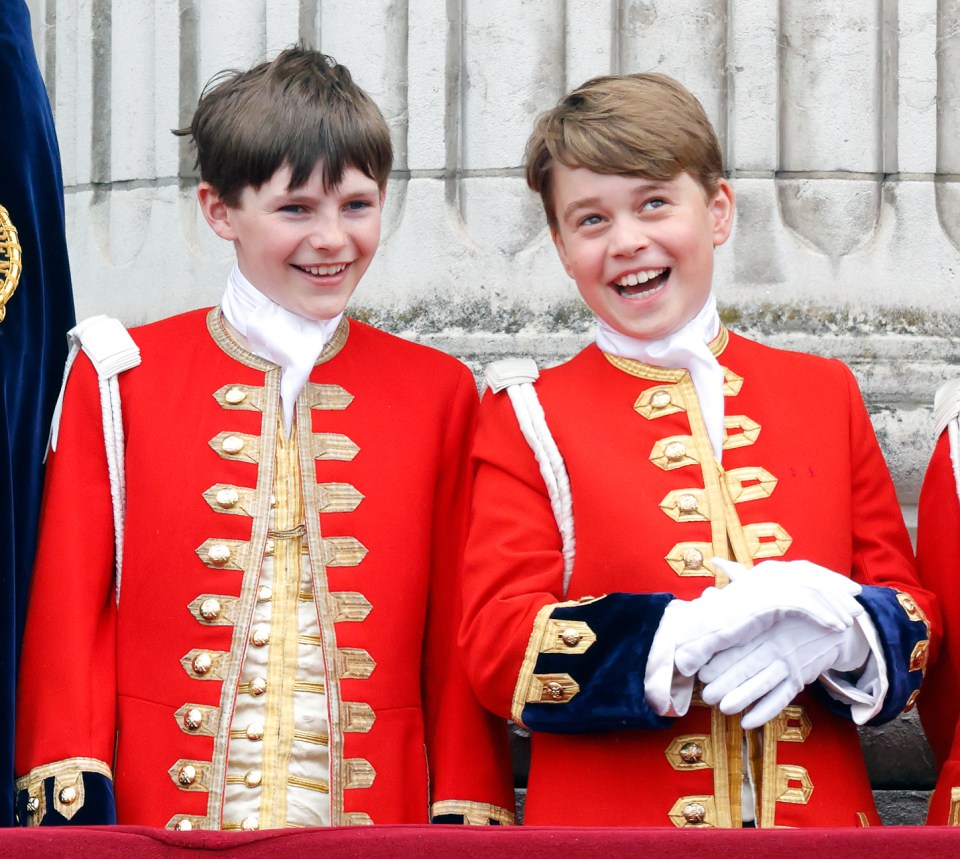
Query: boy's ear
(216,211)
(561,250)
(721,210)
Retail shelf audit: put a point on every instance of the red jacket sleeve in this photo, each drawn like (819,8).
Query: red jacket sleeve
(470,772)
(66,700)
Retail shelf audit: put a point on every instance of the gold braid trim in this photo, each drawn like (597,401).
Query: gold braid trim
(474,813)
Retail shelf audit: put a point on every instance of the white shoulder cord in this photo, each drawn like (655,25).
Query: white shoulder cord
(516,376)
(111,350)
(946,408)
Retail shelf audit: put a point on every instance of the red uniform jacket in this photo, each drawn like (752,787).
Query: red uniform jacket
(382,423)
(938,533)
(802,478)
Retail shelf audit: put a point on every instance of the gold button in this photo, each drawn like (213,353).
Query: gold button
(555,690)
(692,559)
(688,504)
(235,396)
(210,609)
(270,547)
(183,826)
(219,553)
(675,451)
(253,778)
(258,686)
(232,444)
(264,593)
(571,637)
(694,812)
(193,719)
(248,824)
(33,805)
(68,796)
(660,399)
(260,636)
(254,731)
(202,663)
(228,498)
(187,775)
(691,753)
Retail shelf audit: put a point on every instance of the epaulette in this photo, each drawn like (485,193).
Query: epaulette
(516,376)
(111,350)
(946,405)
(946,416)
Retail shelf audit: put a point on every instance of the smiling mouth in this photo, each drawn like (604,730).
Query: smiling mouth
(641,284)
(321,270)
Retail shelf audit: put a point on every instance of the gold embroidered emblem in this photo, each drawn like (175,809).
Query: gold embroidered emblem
(690,559)
(690,752)
(766,540)
(749,484)
(694,811)
(10,260)
(739,431)
(918,659)
(793,725)
(793,784)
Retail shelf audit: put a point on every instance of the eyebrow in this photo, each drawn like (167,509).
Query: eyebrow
(595,202)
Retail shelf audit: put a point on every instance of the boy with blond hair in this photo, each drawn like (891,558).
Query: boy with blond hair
(278,648)
(687,573)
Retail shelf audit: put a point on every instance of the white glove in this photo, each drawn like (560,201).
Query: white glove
(771,670)
(752,603)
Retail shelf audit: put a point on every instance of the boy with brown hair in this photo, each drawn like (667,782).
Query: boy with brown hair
(656,467)
(278,647)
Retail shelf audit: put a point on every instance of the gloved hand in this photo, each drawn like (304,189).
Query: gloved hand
(752,603)
(771,670)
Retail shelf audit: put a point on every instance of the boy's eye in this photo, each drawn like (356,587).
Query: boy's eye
(655,203)
(292,209)
(589,221)
(358,205)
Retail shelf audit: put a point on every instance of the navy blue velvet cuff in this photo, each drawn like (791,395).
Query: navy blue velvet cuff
(610,673)
(98,806)
(903,635)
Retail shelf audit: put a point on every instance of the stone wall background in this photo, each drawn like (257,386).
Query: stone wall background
(839,122)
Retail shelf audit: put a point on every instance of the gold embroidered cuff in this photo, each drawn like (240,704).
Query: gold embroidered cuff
(528,687)
(68,791)
(474,813)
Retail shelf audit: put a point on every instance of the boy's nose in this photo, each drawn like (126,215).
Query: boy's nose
(628,237)
(327,234)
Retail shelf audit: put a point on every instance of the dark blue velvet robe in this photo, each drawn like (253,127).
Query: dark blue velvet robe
(32,340)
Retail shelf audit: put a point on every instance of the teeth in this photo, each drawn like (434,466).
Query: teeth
(640,277)
(320,270)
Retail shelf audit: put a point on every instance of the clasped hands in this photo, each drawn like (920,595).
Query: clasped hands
(774,629)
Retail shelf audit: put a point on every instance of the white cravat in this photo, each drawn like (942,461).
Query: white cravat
(292,342)
(688,348)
